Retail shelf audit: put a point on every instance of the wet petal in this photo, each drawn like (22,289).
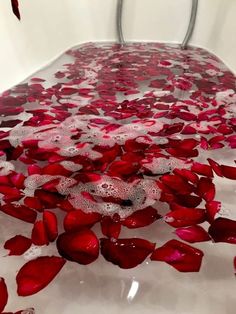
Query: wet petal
(3,294)
(126,253)
(228,172)
(193,234)
(184,217)
(37,274)
(39,234)
(50,223)
(15,8)
(78,219)
(202,169)
(179,255)
(110,227)
(223,230)
(206,189)
(141,218)
(19,211)
(17,245)
(81,246)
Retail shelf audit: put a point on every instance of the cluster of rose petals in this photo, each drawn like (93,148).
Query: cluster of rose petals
(120,131)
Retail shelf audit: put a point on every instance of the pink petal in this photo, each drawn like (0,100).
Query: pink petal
(228,172)
(19,211)
(126,253)
(39,234)
(193,234)
(184,217)
(3,294)
(111,227)
(78,219)
(179,255)
(50,223)
(141,218)
(18,245)
(223,230)
(81,246)
(37,274)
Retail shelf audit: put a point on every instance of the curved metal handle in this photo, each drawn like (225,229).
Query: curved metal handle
(191,24)
(188,35)
(119,12)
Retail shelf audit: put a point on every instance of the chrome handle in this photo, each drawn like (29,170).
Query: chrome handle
(191,24)
(119,12)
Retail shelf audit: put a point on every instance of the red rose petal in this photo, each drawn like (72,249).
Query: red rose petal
(111,227)
(216,167)
(141,218)
(50,223)
(212,208)
(15,8)
(123,168)
(184,217)
(10,193)
(3,294)
(187,175)
(37,274)
(78,219)
(223,230)
(126,253)
(17,180)
(17,245)
(20,212)
(33,202)
(179,255)
(39,234)
(81,246)
(193,234)
(206,189)
(178,184)
(228,172)
(202,169)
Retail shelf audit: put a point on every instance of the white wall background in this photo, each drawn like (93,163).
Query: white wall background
(48,27)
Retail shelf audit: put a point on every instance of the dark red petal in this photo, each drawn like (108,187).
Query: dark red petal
(78,219)
(193,234)
(81,246)
(202,169)
(223,230)
(50,223)
(39,234)
(37,274)
(110,227)
(126,253)
(141,218)
(3,294)
(184,217)
(191,201)
(181,256)
(21,212)
(17,245)
(15,8)
(206,189)
(228,172)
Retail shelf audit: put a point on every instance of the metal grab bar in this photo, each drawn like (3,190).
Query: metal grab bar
(119,29)
(191,24)
(119,12)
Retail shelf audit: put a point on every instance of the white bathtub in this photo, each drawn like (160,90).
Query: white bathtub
(47,29)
